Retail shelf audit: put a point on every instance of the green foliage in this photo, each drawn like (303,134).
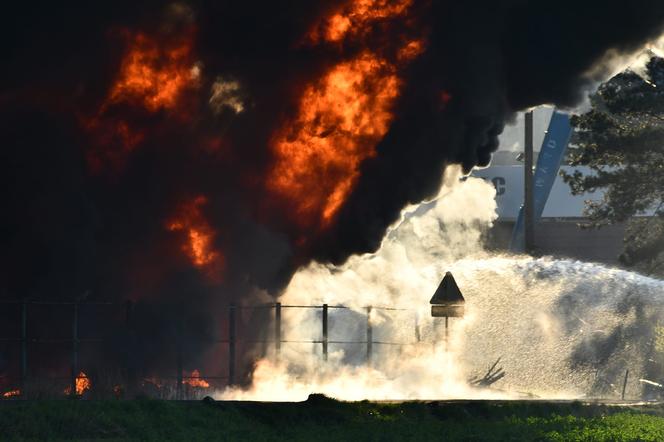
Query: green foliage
(323,419)
(621,139)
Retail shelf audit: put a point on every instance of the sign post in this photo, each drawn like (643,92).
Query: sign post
(447,302)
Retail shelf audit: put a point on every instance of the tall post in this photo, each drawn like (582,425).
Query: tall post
(179,393)
(231,344)
(434,329)
(24,344)
(74,350)
(277,329)
(369,336)
(418,336)
(129,311)
(528,200)
(624,385)
(131,371)
(325,332)
(447,332)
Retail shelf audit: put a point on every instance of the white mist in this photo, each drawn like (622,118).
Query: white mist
(561,328)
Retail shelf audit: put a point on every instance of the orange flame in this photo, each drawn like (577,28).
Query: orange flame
(200,237)
(11,393)
(195,380)
(153,76)
(356,17)
(411,50)
(82,384)
(341,119)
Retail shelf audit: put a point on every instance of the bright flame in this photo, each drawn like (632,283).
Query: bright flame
(153,77)
(11,393)
(154,74)
(411,50)
(82,384)
(342,115)
(195,380)
(356,17)
(341,119)
(200,237)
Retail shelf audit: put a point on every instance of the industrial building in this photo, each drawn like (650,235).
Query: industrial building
(558,231)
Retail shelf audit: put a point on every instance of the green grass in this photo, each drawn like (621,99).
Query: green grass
(323,419)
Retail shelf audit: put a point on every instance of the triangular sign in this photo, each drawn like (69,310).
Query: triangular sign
(448,292)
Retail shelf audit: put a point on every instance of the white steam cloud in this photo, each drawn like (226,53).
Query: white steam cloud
(560,328)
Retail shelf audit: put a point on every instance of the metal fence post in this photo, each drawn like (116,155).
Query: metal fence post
(24,344)
(624,385)
(277,329)
(369,335)
(447,333)
(129,310)
(178,389)
(325,332)
(131,373)
(231,344)
(74,354)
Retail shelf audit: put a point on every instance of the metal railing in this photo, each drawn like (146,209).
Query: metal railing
(233,339)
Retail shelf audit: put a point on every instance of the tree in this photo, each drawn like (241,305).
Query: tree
(621,139)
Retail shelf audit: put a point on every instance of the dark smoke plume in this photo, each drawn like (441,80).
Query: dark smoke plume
(69,229)
(493,58)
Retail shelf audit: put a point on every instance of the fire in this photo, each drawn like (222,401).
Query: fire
(411,50)
(82,384)
(341,119)
(355,18)
(153,76)
(195,380)
(199,236)
(11,393)
(342,115)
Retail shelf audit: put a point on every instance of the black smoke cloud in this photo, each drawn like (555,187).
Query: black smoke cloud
(65,231)
(493,58)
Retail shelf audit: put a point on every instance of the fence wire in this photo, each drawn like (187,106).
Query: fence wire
(231,342)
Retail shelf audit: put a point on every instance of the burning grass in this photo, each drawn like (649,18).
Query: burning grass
(320,418)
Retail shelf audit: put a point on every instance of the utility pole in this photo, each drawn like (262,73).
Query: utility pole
(529,218)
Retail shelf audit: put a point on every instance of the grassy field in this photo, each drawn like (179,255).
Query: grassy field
(323,419)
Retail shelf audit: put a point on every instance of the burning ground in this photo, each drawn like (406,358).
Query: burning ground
(188,155)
